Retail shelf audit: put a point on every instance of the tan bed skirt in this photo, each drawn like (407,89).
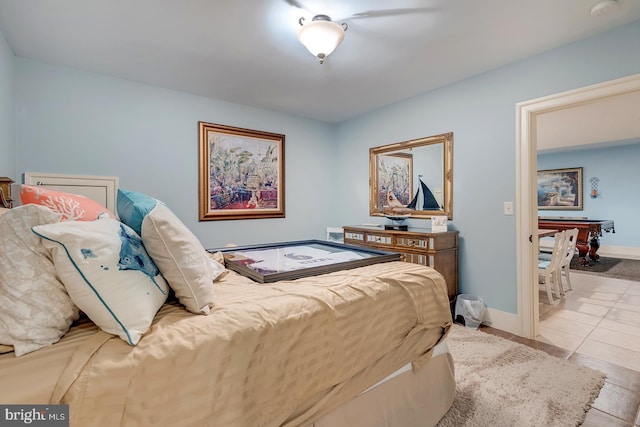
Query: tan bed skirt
(410,399)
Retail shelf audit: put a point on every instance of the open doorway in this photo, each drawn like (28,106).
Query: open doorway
(527,118)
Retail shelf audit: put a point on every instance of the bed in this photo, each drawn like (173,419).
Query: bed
(358,347)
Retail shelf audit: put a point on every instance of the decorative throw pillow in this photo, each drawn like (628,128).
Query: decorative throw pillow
(71,206)
(107,273)
(176,251)
(35,309)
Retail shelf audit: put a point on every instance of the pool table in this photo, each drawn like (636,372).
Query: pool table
(589,232)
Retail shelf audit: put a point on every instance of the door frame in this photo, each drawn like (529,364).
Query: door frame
(526,183)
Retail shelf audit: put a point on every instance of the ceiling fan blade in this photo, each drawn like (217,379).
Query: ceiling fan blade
(297,4)
(381,13)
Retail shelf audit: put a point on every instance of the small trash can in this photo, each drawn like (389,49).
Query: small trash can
(471,308)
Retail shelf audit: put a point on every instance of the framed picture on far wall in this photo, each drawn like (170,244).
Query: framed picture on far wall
(560,189)
(241,173)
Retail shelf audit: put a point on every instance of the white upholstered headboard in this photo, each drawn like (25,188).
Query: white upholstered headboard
(102,189)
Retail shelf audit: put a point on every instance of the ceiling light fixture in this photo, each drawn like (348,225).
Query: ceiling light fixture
(321,36)
(603,7)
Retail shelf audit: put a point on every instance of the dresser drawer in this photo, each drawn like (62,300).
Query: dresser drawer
(415,242)
(419,259)
(378,239)
(354,236)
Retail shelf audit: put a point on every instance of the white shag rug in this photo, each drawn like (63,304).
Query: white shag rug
(504,383)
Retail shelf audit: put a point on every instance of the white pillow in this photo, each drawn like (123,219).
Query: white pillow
(35,309)
(107,273)
(176,251)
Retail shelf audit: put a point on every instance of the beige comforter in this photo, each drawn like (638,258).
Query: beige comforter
(268,355)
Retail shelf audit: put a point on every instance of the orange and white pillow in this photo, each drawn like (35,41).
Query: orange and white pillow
(70,206)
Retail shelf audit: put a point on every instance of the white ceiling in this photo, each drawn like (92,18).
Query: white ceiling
(246,51)
(607,121)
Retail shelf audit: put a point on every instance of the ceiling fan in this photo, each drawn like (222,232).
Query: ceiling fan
(322,35)
(380,13)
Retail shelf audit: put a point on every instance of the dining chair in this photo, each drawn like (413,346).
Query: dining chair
(549,270)
(565,263)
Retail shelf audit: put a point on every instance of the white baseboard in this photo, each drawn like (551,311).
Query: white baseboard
(625,252)
(502,320)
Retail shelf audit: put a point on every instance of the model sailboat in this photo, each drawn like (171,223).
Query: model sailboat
(429,201)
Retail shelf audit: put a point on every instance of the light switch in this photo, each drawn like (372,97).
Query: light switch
(508,208)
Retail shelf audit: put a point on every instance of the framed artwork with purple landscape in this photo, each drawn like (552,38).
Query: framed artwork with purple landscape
(241,173)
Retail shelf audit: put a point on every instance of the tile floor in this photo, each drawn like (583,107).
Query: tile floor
(597,324)
(600,318)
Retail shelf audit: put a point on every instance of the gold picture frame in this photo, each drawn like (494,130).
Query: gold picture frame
(241,173)
(395,176)
(430,166)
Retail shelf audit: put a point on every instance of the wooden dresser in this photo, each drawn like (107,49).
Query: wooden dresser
(5,192)
(418,245)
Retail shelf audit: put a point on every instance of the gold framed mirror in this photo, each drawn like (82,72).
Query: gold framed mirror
(412,178)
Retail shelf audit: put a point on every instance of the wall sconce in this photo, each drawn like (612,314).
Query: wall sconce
(594,186)
(321,36)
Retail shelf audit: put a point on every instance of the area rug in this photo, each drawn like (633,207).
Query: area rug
(504,383)
(628,269)
(602,265)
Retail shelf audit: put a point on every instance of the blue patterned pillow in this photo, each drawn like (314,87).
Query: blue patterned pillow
(107,273)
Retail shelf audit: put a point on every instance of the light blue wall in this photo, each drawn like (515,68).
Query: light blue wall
(481,113)
(69,121)
(76,122)
(618,169)
(7,144)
